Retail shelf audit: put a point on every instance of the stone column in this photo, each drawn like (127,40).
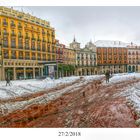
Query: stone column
(33,72)
(85,73)
(24,69)
(14,73)
(3,73)
(41,72)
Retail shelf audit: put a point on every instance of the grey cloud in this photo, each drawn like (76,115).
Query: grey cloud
(119,23)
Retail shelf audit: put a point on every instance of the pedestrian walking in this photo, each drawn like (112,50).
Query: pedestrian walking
(8,81)
(107,74)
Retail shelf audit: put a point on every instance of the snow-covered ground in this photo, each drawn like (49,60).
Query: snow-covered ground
(23,87)
(26,87)
(123,77)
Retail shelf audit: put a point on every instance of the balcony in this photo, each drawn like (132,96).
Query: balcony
(27,47)
(33,48)
(5,23)
(38,49)
(20,57)
(13,25)
(38,58)
(13,45)
(20,46)
(6,56)
(5,34)
(5,45)
(13,57)
(33,58)
(44,49)
(13,34)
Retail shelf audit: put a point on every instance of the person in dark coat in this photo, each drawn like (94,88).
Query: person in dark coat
(7,81)
(107,75)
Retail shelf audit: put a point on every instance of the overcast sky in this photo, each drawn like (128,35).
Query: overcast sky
(86,23)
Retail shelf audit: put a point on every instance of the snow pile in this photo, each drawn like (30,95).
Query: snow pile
(93,77)
(123,77)
(132,95)
(6,108)
(24,87)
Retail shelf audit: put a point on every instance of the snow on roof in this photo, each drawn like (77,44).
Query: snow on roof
(110,43)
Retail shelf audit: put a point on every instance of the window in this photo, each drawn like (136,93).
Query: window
(20,55)
(27,55)
(13,42)
(20,43)
(5,53)
(13,54)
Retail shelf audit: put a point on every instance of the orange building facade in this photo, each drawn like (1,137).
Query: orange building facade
(114,59)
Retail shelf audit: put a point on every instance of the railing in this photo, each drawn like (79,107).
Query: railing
(20,46)
(43,49)
(5,23)
(38,58)
(39,49)
(6,56)
(13,34)
(13,25)
(5,45)
(13,46)
(5,33)
(27,47)
(13,57)
(20,57)
(33,58)
(33,48)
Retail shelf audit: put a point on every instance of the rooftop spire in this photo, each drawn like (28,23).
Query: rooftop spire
(74,40)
